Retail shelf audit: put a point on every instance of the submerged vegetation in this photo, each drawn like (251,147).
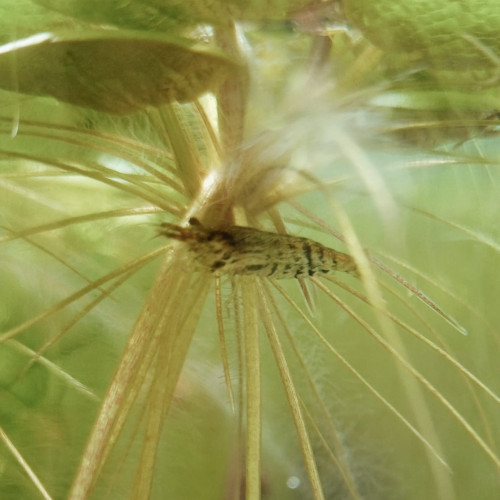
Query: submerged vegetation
(127,370)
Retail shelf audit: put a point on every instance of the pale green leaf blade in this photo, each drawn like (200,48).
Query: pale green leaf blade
(152,15)
(165,15)
(113,71)
(21,18)
(455,34)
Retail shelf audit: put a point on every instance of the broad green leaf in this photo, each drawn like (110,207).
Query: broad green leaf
(455,34)
(163,15)
(445,53)
(21,18)
(141,14)
(114,71)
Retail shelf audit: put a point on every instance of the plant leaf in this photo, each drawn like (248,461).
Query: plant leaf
(114,71)
(152,15)
(165,15)
(456,34)
(21,18)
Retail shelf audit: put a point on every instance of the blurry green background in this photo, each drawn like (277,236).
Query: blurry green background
(434,151)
